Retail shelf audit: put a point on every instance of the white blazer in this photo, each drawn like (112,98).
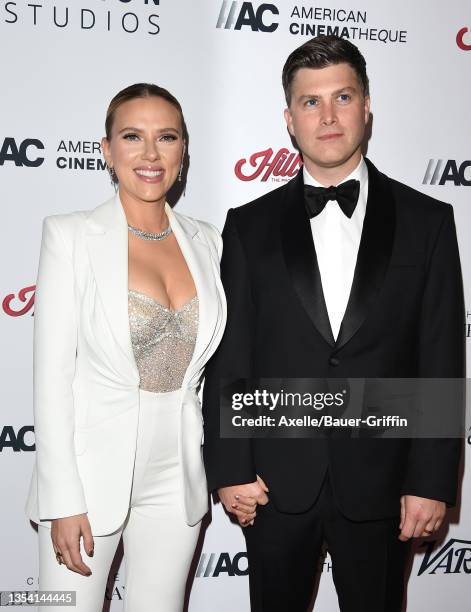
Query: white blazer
(86,382)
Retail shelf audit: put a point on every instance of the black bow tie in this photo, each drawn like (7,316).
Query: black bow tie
(346,194)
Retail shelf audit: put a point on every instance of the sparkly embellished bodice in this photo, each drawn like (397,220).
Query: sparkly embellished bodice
(163,340)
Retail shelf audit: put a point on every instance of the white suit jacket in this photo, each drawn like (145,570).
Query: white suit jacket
(86,382)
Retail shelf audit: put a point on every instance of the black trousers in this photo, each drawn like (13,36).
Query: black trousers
(368,560)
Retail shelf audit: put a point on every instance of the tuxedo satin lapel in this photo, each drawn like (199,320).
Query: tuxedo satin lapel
(300,257)
(107,242)
(374,254)
(198,259)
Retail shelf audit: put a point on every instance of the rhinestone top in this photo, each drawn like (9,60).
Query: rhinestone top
(163,340)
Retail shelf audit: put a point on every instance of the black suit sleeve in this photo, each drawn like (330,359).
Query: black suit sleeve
(229,461)
(432,469)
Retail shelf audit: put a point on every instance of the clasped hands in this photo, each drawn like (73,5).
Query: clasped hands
(242,500)
(420,516)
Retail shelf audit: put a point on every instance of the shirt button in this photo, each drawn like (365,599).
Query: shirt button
(333,361)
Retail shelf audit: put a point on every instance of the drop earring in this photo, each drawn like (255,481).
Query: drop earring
(113,175)
(181,166)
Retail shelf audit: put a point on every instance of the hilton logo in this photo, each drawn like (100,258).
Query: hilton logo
(460,40)
(26,297)
(281,165)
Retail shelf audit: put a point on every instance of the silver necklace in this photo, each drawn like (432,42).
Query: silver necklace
(150,235)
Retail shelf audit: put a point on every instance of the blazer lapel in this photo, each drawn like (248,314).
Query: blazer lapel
(107,242)
(202,268)
(300,257)
(374,254)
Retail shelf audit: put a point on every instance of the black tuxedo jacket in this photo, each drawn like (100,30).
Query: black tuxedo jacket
(404,319)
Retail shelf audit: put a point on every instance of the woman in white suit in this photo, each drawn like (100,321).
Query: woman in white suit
(128,309)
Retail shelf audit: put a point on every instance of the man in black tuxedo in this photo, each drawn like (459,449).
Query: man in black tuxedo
(358,280)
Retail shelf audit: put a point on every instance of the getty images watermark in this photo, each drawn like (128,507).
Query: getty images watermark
(318,401)
(354,407)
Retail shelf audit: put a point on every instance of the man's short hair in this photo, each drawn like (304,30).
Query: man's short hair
(320,52)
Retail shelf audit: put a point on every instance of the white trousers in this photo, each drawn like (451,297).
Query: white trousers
(158,544)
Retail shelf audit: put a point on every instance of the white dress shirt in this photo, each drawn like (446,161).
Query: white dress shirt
(336,239)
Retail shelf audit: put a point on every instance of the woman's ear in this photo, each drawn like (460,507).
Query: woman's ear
(105,149)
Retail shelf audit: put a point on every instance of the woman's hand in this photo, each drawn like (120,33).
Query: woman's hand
(65,534)
(242,500)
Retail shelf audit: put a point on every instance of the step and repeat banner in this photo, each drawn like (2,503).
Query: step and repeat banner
(61,63)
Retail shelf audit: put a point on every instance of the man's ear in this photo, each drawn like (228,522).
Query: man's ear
(289,121)
(367,109)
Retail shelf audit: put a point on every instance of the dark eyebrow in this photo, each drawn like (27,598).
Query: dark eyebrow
(342,89)
(161,131)
(335,93)
(307,97)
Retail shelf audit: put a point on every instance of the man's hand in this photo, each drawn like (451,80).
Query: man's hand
(242,500)
(420,516)
(65,534)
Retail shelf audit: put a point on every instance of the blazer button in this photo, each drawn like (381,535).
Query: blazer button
(333,361)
